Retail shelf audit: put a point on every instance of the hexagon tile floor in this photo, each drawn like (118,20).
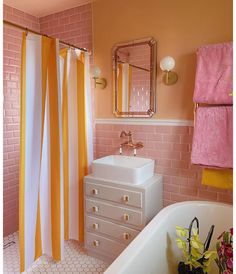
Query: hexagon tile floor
(76,260)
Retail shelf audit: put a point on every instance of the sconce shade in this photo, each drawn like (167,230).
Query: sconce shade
(102,82)
(96,72)
(167,63)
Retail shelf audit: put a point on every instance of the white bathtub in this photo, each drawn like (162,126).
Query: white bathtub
(154,250)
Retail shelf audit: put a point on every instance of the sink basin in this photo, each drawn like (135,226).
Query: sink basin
(133,170)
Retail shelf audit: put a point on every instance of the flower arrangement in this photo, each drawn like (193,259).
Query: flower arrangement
(224,249)
(197,258)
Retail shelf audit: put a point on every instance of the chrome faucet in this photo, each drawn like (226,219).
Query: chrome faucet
(130,143)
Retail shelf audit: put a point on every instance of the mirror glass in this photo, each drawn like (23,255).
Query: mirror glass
(134,78)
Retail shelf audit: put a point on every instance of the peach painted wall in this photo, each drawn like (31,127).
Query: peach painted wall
(73,26)
(180,27)
(11,113)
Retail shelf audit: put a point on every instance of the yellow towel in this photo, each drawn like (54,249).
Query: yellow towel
(220,178)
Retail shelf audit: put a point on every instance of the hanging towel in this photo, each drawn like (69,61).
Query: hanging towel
(220,178)
(214,74)
(213,137)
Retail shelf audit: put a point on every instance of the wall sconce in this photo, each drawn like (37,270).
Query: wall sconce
(167,64)
(102,82)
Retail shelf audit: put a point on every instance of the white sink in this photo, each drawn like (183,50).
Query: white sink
(133,170)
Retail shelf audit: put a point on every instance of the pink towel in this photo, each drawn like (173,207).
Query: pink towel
(214,74)
(213,137)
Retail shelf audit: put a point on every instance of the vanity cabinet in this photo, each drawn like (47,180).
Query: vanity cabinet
(116,212)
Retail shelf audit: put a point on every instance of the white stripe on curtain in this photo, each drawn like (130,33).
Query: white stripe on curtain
(45,186)
(73,145)
(33,141)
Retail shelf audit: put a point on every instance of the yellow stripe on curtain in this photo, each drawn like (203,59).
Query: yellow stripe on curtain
(130,86)
(22,156)
(82,141)
(218,178)
(64,55)
(119,87)
(54,152)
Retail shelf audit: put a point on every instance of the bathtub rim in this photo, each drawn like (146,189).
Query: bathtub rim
(137,244)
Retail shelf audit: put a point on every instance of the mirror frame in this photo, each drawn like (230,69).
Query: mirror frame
(153,68)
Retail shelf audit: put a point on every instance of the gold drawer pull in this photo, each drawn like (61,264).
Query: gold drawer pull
(95,191)
(126,236)
(95,209)
(125,198)
(126,217)
(95,226)
(95,243)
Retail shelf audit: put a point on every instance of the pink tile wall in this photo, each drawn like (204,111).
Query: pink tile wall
(11,115)
(170,147)
(73,26)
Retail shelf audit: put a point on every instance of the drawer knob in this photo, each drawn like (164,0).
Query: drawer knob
(95,243)
(95,191)
(126,217)
(126,236)
(95,209)
(95,226)
(125,198)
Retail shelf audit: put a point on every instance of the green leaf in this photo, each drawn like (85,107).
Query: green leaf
(195,263)
(195,253)
(210,255)
(226,237)
(195,242)
(181,232)
(180,243)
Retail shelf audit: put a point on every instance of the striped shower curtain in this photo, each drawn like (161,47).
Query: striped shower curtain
(52,161)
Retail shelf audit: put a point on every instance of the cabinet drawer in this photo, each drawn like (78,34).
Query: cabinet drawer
(99,243)
(120,214)
(128,197)
(119,232)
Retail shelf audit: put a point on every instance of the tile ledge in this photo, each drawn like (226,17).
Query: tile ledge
(148,122)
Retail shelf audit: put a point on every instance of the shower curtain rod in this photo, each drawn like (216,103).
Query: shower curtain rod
(35,32)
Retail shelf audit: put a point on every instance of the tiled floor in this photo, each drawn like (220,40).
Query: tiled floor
(76,260)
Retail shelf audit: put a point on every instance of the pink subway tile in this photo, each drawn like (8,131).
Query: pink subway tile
(180,130)
(166,195)
(154,137)
(186,139)
(179,164)
(171,188)
(179,181)
(191,191)
(164,146)
(163,162)
(225,198)
(163,129)
(185,156)
(173,138)
(181,147)
(207,195)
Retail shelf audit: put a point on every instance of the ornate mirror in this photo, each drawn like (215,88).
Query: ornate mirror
(134,78)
